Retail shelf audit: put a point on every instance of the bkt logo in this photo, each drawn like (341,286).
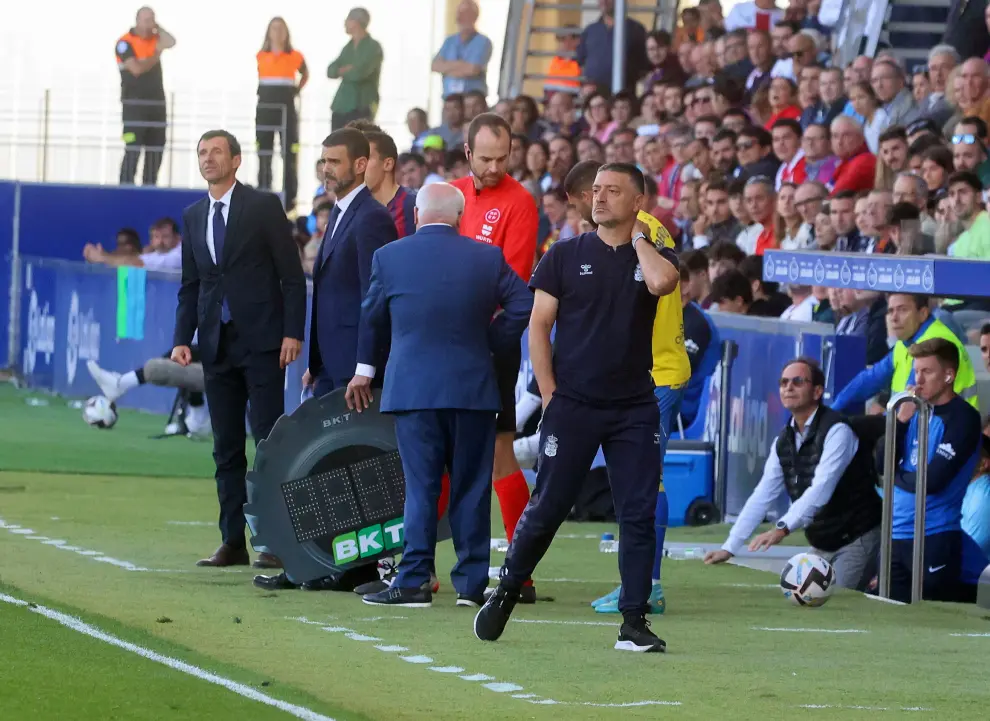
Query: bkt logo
(336,420)
(40,334)
(82,338)
(368,541)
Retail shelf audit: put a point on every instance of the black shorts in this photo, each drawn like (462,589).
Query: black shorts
(506,374)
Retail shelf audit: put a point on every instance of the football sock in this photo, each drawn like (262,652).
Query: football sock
(130,380)
(513,495)
(444,495)
(660,525)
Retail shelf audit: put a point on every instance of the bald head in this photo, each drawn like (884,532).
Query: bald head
(467,14)
(973,73)
(439,203)
(847,136)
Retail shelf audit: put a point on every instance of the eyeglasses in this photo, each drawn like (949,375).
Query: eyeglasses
(745,146)
(797,382)
(966,139)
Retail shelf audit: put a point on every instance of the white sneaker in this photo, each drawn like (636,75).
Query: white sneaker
(527,450)
(198,421)
(108,381)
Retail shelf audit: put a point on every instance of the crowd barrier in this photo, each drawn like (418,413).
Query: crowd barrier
(72,312)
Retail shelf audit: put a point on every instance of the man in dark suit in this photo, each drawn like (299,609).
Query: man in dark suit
(359,225)
(441,384)
(243,288)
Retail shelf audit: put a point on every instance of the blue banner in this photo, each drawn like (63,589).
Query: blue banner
(69,315)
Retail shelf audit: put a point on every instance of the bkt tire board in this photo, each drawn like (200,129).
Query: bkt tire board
(327,490)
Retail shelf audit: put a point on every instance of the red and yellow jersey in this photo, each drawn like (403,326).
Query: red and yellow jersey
(504,216)
(671,366)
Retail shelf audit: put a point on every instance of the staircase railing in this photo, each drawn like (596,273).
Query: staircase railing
(858,29)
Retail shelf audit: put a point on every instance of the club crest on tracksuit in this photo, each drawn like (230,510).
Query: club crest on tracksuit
(550,448)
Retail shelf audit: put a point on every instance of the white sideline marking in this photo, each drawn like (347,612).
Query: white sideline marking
(810,630)
(562,623)
(502,687)
(36,538)
(385,618)
(487,682)
(866,708)
(247,692)
(885,600)
(22,531)
(417,659)
(971,635)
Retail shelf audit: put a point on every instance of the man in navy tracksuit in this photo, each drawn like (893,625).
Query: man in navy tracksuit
(953,451)
(601,290)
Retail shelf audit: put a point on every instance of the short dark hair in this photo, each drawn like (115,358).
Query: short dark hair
(351,138)
(968,177)
(365,126)
(823,126)
(165,222)
(725,134)
(661,37)
(737,112)
(713,119)
(920,301)
(981,126)
(420,113)
(522,139)
(235,147)
(453,157)
(731,284)
(944,350)
(845,195)
(581,177)
(631,171)
(454,98)
(903,211)
(495,123)
(922,144)
(894,132)
(736,187)
(129,236)
(815,370)
(651,184)
(476,94)
(410,158)
(697,262)
(556,193)
(623,131)
(752,267)
(717,183)
(726,250)
(384,145)
(985,329)
(794,125)
(760,135)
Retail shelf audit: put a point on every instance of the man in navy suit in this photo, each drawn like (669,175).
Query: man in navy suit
(436,294)
(359,225)
(244,290)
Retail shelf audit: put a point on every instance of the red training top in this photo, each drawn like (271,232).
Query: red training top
(504,216)
(791,112)
(855,173)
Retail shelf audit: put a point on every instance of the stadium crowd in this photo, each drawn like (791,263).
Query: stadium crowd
(749,139)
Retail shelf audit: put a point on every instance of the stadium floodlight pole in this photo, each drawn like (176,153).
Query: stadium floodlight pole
(721,490)
(619,47)
(920,494)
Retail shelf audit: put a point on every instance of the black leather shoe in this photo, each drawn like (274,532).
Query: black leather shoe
(327,583)
(405,597)
(280,582)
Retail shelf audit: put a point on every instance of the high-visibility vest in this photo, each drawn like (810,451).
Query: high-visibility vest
(279,68)
(965,384)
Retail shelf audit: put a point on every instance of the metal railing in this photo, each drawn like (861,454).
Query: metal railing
(859,21)
(920,494)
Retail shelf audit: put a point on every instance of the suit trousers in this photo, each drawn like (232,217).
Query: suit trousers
(239,382)
(464,442)
(569,439)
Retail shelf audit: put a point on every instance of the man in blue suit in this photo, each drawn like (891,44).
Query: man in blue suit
(436,294)
(359,225)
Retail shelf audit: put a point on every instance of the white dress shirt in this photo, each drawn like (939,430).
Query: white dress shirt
(838,450)
(802,311)
(170,260)
(225,199)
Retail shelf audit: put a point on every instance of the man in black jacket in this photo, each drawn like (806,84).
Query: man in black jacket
(830,477)
(244,290)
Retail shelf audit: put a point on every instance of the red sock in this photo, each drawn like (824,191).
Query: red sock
(513,495)
(444,495)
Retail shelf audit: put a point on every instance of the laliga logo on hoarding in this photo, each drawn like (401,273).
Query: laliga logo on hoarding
(82,338)
(40,334)
(748,426)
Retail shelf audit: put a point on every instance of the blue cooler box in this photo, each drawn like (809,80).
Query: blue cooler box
(689,478)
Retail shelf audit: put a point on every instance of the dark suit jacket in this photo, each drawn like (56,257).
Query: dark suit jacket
(435,293)
(260,275)
(340,282)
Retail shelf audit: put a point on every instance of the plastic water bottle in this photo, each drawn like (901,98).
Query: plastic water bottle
(684,554)
(608,544)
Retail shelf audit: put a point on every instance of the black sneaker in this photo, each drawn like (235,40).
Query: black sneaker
(527,594)
(394,596)
(491,619)
(470,601)
(637,636)
(388,571)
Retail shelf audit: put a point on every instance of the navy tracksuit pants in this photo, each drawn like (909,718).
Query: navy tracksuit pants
(464,442)
(570,435)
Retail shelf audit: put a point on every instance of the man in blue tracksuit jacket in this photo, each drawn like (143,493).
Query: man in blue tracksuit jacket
(953,452)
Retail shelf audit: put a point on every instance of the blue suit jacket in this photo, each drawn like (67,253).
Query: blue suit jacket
(339,283)
(435,293)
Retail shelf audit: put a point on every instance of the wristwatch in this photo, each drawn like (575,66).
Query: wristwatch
(781,526)
(638,236)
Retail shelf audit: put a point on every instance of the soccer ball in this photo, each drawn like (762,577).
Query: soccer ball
(807,580)
(99,412)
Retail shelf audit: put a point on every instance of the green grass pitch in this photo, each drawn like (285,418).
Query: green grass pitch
(92,506)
